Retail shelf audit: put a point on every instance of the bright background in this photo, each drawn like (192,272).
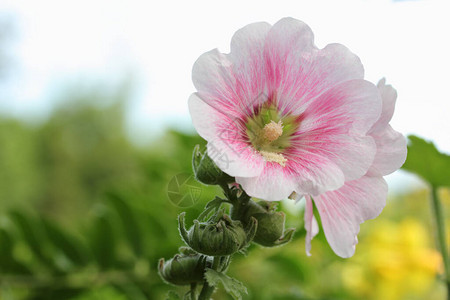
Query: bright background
(55,42)
(69,64)
(155,44)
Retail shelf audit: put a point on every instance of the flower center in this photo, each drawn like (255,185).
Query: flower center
(270,133)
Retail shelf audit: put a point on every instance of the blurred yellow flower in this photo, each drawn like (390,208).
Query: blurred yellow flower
(397,262)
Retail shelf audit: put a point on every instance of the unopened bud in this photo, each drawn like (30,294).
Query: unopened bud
(206,171)
(270,231)
(184,269)
(219,236)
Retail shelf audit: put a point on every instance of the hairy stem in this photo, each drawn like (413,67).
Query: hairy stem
(207,289)
(440,226)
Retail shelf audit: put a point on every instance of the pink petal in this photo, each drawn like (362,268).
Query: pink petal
(331,160)
(311,226)
(205,117)
(298,72)
(212,77)
(389,97)
(235,157)
(247,47)
(391,152)
(227,145)
(273,184)
(234,83)
(314,173)
(349,107)
(342,211)
(334,126)
(304,173)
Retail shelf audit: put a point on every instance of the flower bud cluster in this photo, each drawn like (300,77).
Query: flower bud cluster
(211,243)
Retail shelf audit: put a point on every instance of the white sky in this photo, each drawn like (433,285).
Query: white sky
(62,41)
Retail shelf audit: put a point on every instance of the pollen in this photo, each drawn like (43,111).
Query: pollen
(272,131)
(274,157)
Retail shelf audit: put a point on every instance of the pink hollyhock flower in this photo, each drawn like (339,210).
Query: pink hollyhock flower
(282,116)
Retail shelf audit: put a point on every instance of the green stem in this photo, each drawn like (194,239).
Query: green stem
(440,222)
(193,291)
(207,289)
(226,190)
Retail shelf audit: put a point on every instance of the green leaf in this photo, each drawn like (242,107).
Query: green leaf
(31,231)
(427,162)
(172,295)
(66,243)
(129,221)
(6,247)
(211,206)
(131,291)
(232,286)
(8,264)
(103,240)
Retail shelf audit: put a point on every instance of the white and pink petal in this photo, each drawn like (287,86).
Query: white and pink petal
(391,152)
(342,211)
(273,184)
(334,126)
(389,97)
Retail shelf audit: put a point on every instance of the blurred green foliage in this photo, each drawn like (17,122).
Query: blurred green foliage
(85,212)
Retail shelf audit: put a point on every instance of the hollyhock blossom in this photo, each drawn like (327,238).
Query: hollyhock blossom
(282,116)
(342,210)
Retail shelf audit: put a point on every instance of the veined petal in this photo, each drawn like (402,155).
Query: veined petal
(287,37)
(352,154)
(299,72)
(335,126)
(343,210)
(232,153)
(227,145)
(313,173)
(205,117)
(350,107)
(212,77)
(235,82)
(246,55)
(273,184)
(315,73)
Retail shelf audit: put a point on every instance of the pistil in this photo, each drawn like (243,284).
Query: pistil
(272,131)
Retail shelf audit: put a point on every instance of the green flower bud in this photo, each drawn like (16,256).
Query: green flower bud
(219,236)
(206,171)
(270,231)
(184,269)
